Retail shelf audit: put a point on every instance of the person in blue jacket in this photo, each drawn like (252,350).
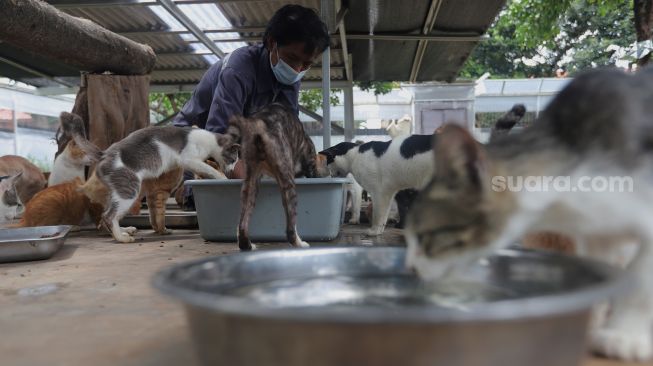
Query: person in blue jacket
(251,77)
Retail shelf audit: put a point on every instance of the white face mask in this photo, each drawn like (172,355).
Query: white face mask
(283,72)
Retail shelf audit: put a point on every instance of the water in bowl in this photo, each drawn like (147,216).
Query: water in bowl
(384,291)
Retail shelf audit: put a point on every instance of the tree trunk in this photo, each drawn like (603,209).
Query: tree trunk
(40,28)
(643,25)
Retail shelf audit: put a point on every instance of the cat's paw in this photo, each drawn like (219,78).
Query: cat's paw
(599,316)
(622,345)
(302,244)
(354,222)
(218,175)
(165,231)
(125,238)
(246,247)
(374,231)
(129,230)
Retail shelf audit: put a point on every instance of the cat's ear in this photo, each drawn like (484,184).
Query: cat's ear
(459,159)
(234,148)
(232,134)
(326,157)
(72,124)
(7,182)
(227,140)
(321,165)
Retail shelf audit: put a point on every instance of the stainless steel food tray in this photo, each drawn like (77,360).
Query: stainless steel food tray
(31,243)
(174,220)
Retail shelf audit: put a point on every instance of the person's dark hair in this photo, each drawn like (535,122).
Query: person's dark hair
(295,23)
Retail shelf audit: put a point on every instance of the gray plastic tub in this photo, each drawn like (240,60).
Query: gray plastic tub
(320,209)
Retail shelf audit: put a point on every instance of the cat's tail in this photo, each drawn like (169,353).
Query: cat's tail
(508,121)
(73,126)
(244,129)
(236,127)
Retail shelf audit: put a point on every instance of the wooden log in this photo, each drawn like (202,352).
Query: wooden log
(37,27)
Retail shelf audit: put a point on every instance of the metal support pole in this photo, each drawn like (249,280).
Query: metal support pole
(325,9)
(349,113)
(14,117)
(537,103)
(326,105)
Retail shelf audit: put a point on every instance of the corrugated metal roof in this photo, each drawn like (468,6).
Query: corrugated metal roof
(257,13)
(182,58)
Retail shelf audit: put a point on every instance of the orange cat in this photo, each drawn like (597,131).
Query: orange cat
(61,204)
(75,202)
(155,190)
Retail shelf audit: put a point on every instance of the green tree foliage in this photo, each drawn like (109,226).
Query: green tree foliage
(312,98)
(166,105)
(549,34)
(378,87)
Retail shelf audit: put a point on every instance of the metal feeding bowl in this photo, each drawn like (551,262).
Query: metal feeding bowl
(361,306)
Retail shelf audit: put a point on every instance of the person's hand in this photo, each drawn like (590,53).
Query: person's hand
(238,172)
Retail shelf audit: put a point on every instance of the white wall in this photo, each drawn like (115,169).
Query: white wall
(367,106)
(30,143)
(33,144)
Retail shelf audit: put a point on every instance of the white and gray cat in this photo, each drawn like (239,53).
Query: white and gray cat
(10,205)
(600,125)
(383,168)
(149,153)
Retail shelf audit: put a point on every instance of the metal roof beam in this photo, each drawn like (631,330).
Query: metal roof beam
(319,119)
(56,90)
(449,37)
(185,88)
(340,23)
(195,53)
(174,10)
(335,84)
(35,72)
(236,39)
(67,4)
(189,53)
(317,67)
(400,37)
(341,15)
(160,32)
(429,22)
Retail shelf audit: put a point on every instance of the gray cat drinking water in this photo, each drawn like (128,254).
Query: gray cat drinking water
(599,126)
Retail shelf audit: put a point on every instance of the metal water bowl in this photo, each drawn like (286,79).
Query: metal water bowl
(361,306)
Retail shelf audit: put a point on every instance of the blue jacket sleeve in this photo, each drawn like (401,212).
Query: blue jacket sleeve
(229,99)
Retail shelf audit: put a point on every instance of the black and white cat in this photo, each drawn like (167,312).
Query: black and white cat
(383,168)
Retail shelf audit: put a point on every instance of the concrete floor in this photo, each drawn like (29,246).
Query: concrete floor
(92,303)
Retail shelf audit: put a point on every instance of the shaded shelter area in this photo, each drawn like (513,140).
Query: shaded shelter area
(372,40)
